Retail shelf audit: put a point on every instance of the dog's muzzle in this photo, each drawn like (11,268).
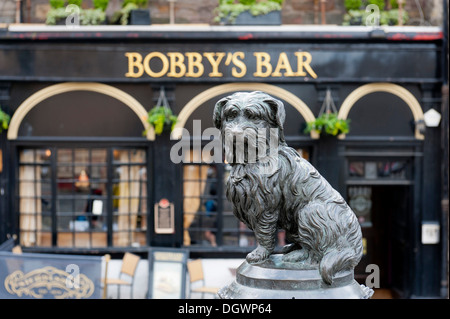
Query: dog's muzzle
(242,146)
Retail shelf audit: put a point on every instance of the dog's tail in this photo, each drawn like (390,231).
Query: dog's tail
(347,255)
(331,232)
(336,261)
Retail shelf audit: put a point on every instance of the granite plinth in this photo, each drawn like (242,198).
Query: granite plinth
(276,279)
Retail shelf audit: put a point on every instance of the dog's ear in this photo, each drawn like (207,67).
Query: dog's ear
(278,112)
(217,115)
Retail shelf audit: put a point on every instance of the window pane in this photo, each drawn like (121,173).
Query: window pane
(43,155)
(129,197)
(356,169)
(45,239)
(65,239)
(98,156)
(380,169)
(82,156)
(200,204)
(33,198)
(64,155)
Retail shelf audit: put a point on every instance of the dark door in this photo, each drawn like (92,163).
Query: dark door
(384,213)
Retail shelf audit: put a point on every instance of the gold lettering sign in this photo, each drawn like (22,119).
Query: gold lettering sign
(193,64)
(48,281)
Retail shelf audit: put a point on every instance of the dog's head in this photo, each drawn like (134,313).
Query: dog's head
(247,121)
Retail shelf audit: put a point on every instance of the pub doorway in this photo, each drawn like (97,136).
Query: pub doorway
(386,240)
(382,199)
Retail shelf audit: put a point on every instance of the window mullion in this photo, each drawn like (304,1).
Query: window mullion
(129,199)
(109,195)
(54,189)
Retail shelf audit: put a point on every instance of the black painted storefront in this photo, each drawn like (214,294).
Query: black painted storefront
(86,91)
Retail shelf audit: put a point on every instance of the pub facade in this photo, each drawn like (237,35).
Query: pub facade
(83,171)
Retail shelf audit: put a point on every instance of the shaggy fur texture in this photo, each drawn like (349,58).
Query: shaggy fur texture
(318,222)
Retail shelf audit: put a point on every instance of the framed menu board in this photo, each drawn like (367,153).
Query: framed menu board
(164,217)
(167,273)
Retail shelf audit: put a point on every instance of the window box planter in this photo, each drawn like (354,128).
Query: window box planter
(246,18)
(248,12)
(139,17)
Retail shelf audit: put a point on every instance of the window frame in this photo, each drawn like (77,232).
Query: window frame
(90,143)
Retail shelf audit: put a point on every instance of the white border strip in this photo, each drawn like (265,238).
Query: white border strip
(214,28)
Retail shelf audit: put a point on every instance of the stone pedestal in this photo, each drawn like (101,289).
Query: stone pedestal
(275,279)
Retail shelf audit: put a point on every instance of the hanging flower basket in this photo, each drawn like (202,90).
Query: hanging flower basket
(328,123)
(4,120)
(162,119)
(161,116)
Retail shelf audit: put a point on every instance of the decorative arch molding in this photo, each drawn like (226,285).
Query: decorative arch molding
(60,88)
(395,89)
(208,94)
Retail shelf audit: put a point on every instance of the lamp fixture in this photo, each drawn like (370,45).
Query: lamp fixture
(83,180)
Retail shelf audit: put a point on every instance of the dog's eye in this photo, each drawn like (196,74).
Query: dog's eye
(231,114)
(251,115)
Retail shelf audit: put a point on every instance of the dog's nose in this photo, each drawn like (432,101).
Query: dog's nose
(235,130)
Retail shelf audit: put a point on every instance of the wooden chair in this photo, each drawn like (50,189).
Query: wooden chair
(17,249)
(195,269)
(129,265)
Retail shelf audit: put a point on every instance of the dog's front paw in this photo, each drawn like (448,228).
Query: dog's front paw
(257,255)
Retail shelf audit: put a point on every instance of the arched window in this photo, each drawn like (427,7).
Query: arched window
(79,185)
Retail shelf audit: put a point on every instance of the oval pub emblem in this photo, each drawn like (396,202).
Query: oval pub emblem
(48,282)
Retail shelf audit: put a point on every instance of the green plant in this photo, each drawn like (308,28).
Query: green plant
(87,16)
(352,4)
(230,9)
(358,17)
(328,123)
(100,4)
(354,17)
(139,3)
(75,2)
(160,117)
(379,3)
(55,4)
(121,16)
(4,120)
(56,14)
(391,17)
(247,2)
(92,17)
(394,4)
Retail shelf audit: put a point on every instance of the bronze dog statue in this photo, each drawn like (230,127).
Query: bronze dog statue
(293,196)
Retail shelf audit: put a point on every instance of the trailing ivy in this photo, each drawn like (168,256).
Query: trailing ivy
(356,12)
(122,16)
(358,17)
(87,16)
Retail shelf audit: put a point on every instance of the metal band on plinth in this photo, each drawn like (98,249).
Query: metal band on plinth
(275,279)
